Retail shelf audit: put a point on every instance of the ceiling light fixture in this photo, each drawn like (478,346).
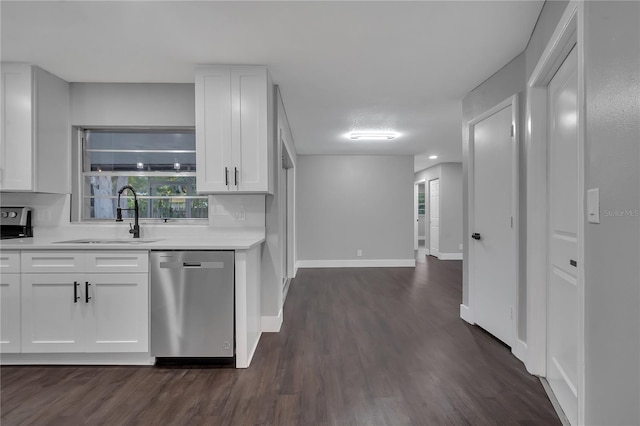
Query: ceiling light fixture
(372,135)
(433,157)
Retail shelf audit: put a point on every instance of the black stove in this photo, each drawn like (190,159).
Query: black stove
(15,222)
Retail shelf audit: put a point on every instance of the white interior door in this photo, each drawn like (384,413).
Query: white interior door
(492,274)
(434,217)
(562,310)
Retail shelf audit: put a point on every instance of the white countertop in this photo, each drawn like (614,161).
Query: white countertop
(226,241)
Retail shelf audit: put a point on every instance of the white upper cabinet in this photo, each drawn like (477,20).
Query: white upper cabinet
(35,134)
(233,133)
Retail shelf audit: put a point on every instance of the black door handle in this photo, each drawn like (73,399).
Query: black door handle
(235,175)
(226,176)
(573,263)
(86,292)
(75,292)
(475,236)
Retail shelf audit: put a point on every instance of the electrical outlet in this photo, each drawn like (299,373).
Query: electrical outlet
(359,253)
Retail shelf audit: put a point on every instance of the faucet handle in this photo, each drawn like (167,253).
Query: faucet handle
(131,230)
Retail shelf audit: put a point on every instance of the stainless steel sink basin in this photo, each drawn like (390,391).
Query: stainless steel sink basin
(97,241)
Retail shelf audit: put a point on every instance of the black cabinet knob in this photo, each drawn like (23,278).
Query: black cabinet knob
(475,236)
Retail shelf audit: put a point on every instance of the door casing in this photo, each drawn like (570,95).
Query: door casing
(568,33)
(467,311)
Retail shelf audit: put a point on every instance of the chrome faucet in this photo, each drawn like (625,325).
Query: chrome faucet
(135,229)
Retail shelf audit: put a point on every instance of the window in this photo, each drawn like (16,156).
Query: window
(159,164)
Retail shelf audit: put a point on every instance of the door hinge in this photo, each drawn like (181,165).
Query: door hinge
(513,130)
(511,314)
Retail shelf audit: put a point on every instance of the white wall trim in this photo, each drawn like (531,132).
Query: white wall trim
(466,314)
(519,350)
(568,32)
(272,324)
(450,256)
(353,263)
(512,102)
(423,252)
(142,358)
(252,352)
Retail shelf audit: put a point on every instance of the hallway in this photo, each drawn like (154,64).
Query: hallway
(365,346)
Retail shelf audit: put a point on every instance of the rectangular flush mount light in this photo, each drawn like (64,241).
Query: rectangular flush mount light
(372,135)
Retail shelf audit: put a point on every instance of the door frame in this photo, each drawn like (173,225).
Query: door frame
(286,208)
(416,226)
(568,33)
(518,347)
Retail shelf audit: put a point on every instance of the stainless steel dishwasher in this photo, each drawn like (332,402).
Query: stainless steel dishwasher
(192,304)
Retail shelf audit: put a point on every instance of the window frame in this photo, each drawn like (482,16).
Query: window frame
(79,197)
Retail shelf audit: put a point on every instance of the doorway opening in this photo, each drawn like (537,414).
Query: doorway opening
(286,207)
(421,234)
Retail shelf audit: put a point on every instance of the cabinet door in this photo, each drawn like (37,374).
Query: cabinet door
(16,135)
(249,129)
(10,313)
(213,129)
(52,313)
(118,318)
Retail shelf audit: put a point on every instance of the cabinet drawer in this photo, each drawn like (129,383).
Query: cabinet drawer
(117,261)
(9,262)
(52,261)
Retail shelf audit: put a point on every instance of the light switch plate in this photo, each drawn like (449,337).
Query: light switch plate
(593,205)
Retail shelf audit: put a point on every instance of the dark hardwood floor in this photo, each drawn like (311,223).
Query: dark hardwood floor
(372,346)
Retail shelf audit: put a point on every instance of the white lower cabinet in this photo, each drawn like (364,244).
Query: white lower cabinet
(118,320)
(9,313)
(52,317)
(83,311)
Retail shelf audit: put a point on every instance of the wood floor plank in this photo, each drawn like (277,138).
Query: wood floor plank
(358,346)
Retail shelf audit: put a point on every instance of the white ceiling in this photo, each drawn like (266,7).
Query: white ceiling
(341,66)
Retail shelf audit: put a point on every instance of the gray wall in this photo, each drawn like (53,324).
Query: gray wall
(133,104)
(450,175)
(612,248)
(346,203)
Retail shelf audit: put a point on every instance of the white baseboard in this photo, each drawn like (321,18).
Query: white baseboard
(450,256)
(142,358)
(520,350)
(353,263)
(466,314)
(272,324)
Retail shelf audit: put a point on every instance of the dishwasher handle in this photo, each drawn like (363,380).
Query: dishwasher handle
(192,265)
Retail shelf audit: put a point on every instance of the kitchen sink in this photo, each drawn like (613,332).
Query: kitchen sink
(98,241)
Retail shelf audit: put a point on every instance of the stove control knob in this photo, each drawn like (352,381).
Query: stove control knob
(5,215)
(13,214)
